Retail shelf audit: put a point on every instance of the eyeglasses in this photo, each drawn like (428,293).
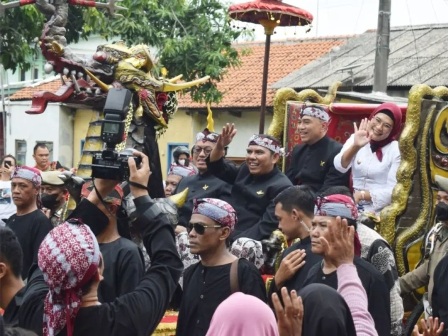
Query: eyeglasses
(200,227)
(198,150)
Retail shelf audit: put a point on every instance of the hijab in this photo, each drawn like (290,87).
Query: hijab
(325,312)
(242,314)
(394,112)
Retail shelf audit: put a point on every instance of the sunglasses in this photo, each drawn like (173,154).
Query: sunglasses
(200,227)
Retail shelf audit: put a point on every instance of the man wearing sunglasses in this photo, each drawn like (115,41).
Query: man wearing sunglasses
(203,184)
(255,183)
(208,283)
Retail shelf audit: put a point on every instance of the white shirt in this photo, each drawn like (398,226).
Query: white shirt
(370,174)
(7,206)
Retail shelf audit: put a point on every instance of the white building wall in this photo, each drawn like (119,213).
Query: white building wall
(246,125)
(54,125)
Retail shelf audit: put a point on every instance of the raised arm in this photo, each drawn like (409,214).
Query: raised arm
(140,311)
(339,250)
(359,139)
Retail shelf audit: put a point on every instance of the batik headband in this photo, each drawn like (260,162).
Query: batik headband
(316,112)
(336,205)
(216,209)
(69,257)
(28,173)
(263,141)
(206,135)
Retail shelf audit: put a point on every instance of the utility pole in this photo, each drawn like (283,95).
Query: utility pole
(382,47)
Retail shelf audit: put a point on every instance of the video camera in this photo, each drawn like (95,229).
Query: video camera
(109,164)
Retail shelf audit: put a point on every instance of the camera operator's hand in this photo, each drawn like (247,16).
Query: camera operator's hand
(139,175)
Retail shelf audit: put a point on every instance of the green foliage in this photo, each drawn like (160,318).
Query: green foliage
(191,37)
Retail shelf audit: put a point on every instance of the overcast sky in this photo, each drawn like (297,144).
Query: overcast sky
(348,17)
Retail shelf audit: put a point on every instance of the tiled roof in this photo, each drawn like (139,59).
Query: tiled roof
(417,55)
(241,86)
(51,85)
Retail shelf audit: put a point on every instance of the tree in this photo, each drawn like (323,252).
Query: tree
(192,37)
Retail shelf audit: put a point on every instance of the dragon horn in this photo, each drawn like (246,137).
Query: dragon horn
(174,79)
(180,198)
(101,84)
(168,87)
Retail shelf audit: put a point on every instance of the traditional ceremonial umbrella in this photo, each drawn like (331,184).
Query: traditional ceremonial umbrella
(270,14)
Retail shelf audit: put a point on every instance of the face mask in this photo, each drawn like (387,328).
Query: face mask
(182,162)
(441,212)
(49,201)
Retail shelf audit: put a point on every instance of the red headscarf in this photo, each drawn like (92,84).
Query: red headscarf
(393,111)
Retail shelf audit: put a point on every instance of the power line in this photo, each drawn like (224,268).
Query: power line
(415,42)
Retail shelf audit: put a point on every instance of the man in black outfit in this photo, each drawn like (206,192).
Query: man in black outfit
(135,313)
(312,161)
(294,209)
(210,281)
(439,297)
(326,212)
(203,184)
(123,260)
(13,290)
(255,183)
(29,223)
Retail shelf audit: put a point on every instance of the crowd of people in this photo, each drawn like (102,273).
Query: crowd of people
(101,270)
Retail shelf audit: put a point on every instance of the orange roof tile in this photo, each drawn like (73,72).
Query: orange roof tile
(27,92)
(241,86)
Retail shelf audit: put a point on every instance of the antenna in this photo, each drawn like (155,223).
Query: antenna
(349,69)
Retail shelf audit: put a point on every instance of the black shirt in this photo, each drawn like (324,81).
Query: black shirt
(312,165)
(26,307)
(439,298)
(123,269)
(206,287)
(297,280)
(137,313)
(373,282)
(252,197)
(30,229)
(201,186)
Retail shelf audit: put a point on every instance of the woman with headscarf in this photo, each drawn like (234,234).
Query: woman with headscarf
(242,314)
(373,155)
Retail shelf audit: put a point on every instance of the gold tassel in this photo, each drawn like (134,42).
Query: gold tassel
(210,121)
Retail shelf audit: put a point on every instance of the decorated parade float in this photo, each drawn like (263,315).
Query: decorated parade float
(423,145)
(86,82)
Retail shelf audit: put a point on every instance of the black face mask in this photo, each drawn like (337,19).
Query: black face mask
(49,201)
(441,212)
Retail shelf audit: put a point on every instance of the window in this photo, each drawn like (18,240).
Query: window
(49,145)
(22,75)
(36,73)
(21,152)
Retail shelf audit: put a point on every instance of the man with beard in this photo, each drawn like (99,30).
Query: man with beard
(312,160)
